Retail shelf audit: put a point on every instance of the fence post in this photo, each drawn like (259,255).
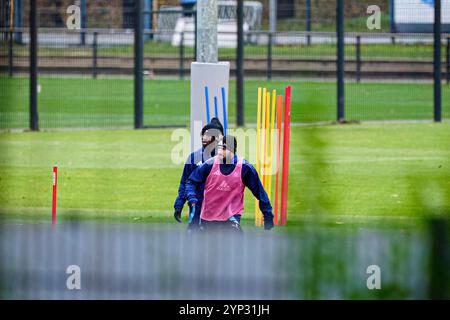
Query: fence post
(440,260)
(83,22)
(138,66)
(340,59)
(10,53)
(182,56)
(358,58)
(308,21)
(240,65)
(391,20)
(18,20)
(448,60)
(34,121)
(437,61)
(391,16)
(94,56)
(269,56)
(148,18)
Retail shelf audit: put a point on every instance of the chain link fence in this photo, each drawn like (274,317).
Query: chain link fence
(86,76)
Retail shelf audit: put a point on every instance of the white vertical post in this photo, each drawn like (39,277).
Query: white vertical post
(207,15)
(273,15)
(207,71)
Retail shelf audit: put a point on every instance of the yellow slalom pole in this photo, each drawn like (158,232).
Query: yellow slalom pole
(258,131)
(258,151)
(262,147)
(272,126)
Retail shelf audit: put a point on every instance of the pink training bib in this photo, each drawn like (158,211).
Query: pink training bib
(224,194)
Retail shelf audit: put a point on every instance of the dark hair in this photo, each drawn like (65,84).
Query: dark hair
(213,124)
(230,143)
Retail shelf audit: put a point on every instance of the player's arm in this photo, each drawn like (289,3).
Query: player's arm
(189,167)
(181,198)
(251,180)
(197,177)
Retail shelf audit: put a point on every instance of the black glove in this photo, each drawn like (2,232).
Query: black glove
(268,224)
(177,214)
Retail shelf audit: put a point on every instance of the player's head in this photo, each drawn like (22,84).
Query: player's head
(213,131)
(227,147)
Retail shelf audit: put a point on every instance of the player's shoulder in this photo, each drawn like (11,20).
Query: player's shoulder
(248,165)
(195,157)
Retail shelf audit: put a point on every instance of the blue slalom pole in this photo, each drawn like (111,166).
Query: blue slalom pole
(216,109)
(208,118)
(224,108)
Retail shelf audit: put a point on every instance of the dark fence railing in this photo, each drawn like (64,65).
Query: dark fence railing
(284,54)
(309,58)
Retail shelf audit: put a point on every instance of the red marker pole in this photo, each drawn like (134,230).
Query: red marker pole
(286,143)
(55,181)
(277,172)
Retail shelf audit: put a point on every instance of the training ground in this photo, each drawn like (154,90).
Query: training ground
(372,184)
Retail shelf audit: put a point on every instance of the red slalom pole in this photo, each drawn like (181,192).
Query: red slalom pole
(277,160)
(286,143)
(55,181)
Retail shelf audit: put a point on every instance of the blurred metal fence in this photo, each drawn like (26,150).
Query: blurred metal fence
(292,15)
(135,261)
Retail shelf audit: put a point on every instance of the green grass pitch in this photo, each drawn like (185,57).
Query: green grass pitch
(350,174)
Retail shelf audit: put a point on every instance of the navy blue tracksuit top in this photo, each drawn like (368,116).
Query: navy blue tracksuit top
(249,177)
